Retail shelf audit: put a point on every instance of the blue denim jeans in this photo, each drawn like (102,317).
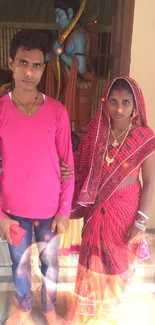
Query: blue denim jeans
(48,244)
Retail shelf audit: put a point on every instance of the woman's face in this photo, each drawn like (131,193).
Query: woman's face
(120,104)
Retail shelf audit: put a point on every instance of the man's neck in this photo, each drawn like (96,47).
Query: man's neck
(25,95)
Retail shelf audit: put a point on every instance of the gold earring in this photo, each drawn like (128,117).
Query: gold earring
(133,113)
(134,116)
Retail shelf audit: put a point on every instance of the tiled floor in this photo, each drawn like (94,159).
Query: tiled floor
(65,300)
(138,307)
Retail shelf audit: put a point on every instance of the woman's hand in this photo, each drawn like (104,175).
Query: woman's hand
(66,172)
(135,235)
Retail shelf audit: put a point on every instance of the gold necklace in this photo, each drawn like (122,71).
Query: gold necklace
(111,160)
(115,142)
(30,109)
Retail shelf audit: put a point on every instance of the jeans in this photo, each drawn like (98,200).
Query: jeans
(48,244)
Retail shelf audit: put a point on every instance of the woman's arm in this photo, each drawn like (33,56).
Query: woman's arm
(148,178)
(135,233)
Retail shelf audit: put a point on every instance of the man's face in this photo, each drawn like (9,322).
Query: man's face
(28,67)
(5,88)
(62,18)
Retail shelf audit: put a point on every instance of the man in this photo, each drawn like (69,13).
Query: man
(5,87)
(35,134)
(5,82)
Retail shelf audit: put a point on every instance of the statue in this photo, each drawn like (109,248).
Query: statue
(69,75)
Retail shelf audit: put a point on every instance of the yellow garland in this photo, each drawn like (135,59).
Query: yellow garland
(63,37)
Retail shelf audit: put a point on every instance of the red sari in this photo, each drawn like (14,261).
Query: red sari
(105,260)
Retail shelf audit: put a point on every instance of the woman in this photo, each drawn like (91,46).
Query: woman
(108,194)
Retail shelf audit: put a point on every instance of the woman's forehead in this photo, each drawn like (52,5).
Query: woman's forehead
(121,93)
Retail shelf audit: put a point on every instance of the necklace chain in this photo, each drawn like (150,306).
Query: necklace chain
(115,143)
(111,160)
(27,110)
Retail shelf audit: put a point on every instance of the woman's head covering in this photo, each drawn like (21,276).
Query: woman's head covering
(90,157)
(138,97)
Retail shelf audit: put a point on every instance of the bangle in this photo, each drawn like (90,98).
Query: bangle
(143,215)
(139,226)
(143,222)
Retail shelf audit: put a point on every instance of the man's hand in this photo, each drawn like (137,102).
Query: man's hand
(66,172)
(5,225)
(60,224)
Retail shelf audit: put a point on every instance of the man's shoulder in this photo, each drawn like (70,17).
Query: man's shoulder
(55,104)
(3,101)
(55,108)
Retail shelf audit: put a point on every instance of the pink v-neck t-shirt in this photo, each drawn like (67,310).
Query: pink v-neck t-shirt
(31,147)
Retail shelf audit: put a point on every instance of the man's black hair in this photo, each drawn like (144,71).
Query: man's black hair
(29,39)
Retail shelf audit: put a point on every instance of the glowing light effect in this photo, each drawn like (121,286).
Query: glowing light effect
(47,237)
(36,223)
(126,164)
(137,307)
(29,73)
(59,51)
(65,203)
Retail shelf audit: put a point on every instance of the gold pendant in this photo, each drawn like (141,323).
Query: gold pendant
(115,143)
(29,113)
(109,160)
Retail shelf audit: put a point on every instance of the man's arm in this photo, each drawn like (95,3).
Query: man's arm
(5,221)
(64,148)
(65,170)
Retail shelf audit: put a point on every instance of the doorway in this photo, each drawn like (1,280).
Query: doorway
(114,44)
